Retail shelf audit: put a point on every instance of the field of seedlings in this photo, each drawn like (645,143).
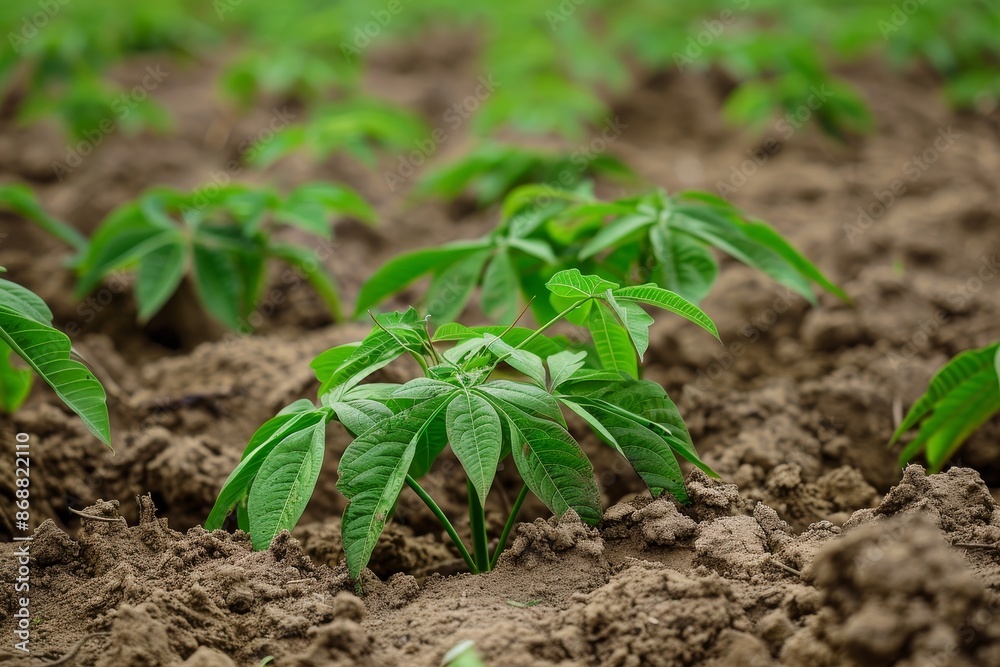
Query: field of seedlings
(465,334)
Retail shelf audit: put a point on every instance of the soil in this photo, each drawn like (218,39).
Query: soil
(815,549)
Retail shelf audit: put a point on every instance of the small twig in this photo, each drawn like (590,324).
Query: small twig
(974,545)
(786,568)
(298,581)
(73,651)
(94,517)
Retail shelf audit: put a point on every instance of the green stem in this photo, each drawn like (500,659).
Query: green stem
(477,519)
(509,525)
(538,332)
(452,533)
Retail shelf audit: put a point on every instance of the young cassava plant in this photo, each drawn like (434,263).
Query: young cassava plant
(961,397)
(665,239)
(222,237)
(26,330)
(466,400)
(492,170)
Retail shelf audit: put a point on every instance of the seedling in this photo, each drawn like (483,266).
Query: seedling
(26,330)
(222,238)
(464,400)
(667,239)
(962,396)
(360,128)
(491,171)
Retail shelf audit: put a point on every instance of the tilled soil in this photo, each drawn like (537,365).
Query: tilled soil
(815,550)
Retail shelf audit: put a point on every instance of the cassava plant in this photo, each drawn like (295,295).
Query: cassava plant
(657,237)
(222,237)
(467,400)
(961,397)
(26,330)
(20,200)
(492,170)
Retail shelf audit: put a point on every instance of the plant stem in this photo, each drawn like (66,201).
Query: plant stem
(509,525)
(477,519)
(450,529)
(538,332)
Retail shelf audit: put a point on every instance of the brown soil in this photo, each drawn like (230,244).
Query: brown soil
(816,550)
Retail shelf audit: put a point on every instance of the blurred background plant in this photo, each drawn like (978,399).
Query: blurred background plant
(570,60)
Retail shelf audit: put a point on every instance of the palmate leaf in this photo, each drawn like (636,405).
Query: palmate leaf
(217,283)
(645,449)
(723,232)
(159,274)
(686,265)
(657,296)
(475,437)
(551,463)
(291,470)
(960,398)
(15,383)
(399,272)
(47,351)
(372,472)
(612,341)
(301,417)
(451,287)
(501,289)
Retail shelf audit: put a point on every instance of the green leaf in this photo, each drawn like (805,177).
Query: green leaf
(687,266)
(326,363)
(766,236)
(217,284)
(453,285)
(725,232)
(521,360)
(474,433)
(645,449)
(21,200)
(563,364)
(289,475)
(622,230)
(571,284)
(399,272)
(961,397)
(667,300)
(528,397)
(372,471)
(15,383)
(552,464)
(535,248)
(501,289)
(160,272)
(360,415)
(612,342)
(515,336)
(636,322)
(47,351)
(268,436)
(954,373)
